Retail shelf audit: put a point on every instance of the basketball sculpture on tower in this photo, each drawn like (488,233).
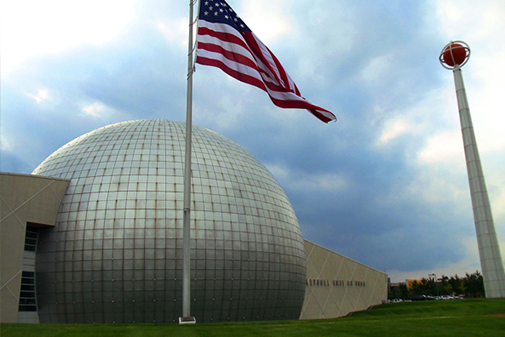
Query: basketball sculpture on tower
(453,56)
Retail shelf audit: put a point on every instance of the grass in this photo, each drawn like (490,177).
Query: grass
(470,317)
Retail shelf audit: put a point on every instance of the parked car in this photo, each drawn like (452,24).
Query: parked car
(419,298)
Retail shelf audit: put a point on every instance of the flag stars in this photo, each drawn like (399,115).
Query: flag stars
(220,11)
(229,23)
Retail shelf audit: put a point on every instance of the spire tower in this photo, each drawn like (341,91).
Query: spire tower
(453,56)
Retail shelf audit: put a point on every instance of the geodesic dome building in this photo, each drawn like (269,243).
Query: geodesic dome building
(94,235)
(115,253)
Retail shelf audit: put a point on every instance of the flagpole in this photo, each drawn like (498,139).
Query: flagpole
(186,233)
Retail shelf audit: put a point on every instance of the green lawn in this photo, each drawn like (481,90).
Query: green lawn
(470,317)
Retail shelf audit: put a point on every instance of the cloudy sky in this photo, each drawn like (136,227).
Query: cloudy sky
(385,185)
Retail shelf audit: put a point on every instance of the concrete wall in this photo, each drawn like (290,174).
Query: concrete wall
(23,198)
(337,285)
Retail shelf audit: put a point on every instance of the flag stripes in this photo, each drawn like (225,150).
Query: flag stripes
(225,42)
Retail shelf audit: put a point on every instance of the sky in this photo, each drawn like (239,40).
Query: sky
(385,185)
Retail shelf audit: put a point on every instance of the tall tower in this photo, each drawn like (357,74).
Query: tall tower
(453,56)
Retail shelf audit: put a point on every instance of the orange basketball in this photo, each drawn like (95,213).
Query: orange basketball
(455,54)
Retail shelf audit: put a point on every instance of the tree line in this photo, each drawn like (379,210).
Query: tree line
(472,285)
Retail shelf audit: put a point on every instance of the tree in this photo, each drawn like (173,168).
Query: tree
(404,292)
(462,287)
(447,289)
(456,283)
(474,284)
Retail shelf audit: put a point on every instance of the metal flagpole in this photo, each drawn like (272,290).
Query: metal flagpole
(186,235)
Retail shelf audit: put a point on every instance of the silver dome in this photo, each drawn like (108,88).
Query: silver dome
(115,254)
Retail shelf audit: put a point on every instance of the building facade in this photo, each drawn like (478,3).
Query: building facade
(27,204)
(337,285)
(113,253)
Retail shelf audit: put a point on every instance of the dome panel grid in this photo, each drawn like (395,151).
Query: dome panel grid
(116,252)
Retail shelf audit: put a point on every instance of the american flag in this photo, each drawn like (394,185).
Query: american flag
(225,42)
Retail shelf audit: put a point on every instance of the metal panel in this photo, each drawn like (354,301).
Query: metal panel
(126,217)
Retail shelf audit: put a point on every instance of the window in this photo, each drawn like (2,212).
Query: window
(31,238)
(27,301)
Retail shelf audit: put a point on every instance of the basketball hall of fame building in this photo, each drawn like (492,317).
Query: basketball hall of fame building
(94,235)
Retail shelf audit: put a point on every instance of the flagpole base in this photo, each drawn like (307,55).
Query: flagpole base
(187,320)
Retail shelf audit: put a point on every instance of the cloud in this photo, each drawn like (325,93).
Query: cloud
(59,25)
(386,185)
(377,68)
(479,27)
(267,25)
(395,128)
(46,98)
(175,32)
(463,18)
(309,184)
(5,145)
(40,96)
(468,263)
(93,109)
(10,162)
(97,110)
(443,147)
